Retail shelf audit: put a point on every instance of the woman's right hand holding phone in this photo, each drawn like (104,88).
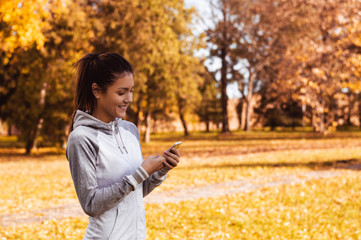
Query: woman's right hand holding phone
(172,158)
(168,161)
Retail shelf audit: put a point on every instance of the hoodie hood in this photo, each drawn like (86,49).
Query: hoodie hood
(85,119)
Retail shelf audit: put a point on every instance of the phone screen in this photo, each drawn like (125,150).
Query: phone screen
(175,145)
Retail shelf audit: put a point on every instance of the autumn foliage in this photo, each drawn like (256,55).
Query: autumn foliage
(296,63)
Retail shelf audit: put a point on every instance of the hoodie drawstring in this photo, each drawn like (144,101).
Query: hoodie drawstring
(120,135)
(115,131)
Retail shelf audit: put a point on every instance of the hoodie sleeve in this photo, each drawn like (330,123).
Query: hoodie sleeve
(82,154)
(154,179)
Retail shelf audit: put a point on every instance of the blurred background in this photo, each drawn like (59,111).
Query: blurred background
(199,65)
(253,87)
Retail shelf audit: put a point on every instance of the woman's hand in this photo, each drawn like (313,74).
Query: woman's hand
(153,164)
(172,158)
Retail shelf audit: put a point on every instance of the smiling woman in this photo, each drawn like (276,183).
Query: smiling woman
(105,158)
(99,78)
(114,102)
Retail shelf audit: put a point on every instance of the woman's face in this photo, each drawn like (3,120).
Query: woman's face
(114,102)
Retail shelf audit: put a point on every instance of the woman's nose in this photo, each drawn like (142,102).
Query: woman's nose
(129,98)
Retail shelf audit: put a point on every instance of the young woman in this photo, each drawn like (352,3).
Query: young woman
(109,173)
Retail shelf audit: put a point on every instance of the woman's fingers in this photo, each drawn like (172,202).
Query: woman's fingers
(175,151)
(171,162)
(175,155)
(166,164)
(153,163)
(172,159)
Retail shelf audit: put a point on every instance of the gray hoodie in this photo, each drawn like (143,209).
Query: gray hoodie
(105,163)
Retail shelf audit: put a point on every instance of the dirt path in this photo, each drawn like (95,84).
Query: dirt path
(212,190)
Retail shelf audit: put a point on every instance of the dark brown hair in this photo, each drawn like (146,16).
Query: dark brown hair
(101,69)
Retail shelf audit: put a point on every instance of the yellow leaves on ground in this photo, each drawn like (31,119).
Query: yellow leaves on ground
(327,208)
(33,183)
(320,209)
(70,228)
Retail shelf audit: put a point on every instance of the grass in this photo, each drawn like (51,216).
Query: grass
(32,183)
(10,142)
(70,228)
(319,209)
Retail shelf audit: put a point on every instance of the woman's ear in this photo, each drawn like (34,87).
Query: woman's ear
(96,90)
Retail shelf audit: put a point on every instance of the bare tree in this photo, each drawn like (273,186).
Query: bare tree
(221,39)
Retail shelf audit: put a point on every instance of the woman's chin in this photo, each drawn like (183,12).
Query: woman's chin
(121,114)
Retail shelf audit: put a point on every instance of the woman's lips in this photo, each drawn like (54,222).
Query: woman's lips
(123,108)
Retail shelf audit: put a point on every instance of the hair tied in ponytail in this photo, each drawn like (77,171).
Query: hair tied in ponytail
(101,69)
(95,56)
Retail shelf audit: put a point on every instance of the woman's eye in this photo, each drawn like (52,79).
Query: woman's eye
(120,93)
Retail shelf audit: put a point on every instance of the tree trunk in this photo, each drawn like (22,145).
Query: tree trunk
(224,50)
(313,120)
(224,97)
(40,122)
(28,146)
(359,109)
(303,114)
(9,129)
(322,123)
(350,107)
(186,133)
(347,115)
(240,112)
(138,121)
(249,102)
(207,126)
(38,130)
(147,127)
(63,143)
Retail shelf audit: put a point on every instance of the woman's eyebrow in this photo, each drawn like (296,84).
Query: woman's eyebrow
(125,88)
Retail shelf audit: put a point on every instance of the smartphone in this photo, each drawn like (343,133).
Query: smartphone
(175,145)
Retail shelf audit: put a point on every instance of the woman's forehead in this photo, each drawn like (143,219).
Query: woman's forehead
(126,81)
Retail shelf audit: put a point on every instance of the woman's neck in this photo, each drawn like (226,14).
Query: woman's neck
(102,116)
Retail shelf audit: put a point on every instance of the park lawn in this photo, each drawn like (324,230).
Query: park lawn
(33,183)
(220,146)
(30,183)
(202,171)
(318,209)
(42,180)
